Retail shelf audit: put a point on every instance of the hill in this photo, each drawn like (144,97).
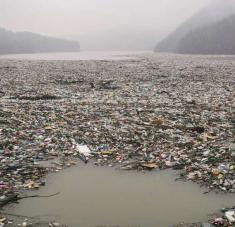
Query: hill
(26,42)
(216,11)
(217,38)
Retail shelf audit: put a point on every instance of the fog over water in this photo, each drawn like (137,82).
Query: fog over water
(100,24)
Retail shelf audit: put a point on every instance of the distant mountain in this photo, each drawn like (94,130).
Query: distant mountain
(217,38)
(216,11)
(26,42)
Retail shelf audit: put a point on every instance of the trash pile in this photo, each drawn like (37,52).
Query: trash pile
(30,222)
(142,114)
(218,220)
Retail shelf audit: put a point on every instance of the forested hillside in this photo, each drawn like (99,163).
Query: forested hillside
(217,38)
(26,42)
(215,12)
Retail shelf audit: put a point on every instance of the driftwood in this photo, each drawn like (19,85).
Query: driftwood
(15,198)
(38,196)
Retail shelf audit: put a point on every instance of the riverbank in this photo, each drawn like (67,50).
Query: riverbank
(147,113)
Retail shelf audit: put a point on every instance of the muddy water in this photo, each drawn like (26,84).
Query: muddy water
(99,196)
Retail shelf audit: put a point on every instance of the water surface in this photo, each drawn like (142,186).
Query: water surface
(99,196)
(83,55)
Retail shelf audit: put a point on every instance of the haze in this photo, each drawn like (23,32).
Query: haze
(99,24)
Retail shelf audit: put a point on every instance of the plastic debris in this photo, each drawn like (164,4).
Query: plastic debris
(84,152)
(230,215)
(147,113)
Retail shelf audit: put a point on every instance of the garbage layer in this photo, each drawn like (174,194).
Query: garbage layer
(153,112)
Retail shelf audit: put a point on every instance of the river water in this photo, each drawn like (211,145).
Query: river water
(101,196)
(73,56)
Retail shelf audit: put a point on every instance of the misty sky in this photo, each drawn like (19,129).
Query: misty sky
(68,17)
(76,18)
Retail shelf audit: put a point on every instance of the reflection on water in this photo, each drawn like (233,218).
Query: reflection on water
(99,196)
(83,55)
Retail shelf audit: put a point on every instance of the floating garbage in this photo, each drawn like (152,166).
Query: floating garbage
(141,114)
(230,215)
(84,152)
(149,113)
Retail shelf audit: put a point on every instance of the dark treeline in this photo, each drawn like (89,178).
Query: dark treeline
(217,38)
(26,42)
